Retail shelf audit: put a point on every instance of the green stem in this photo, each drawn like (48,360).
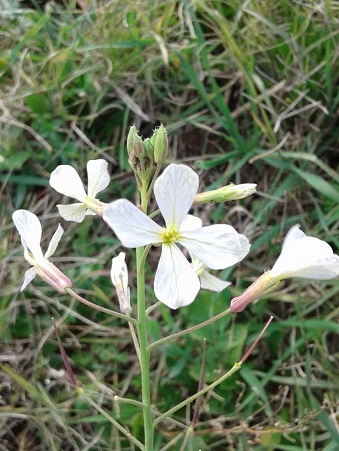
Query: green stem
(112,420)
(142,336)
(188,330)
(98,307)
(221,379)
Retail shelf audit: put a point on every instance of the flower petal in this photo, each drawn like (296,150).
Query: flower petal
(190,222)
(174,191)
(306,257)
(73,212)
(29,276)
(29,228)
(132,226)
(98,177)
(216,246)
(212,283)
(54,241)
(176,283)
(66,180)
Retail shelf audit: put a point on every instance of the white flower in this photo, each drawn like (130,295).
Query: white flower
(119,276)
(29,228)
(301,256)
(176,284)
(207,280)
(306,257)
(66,180)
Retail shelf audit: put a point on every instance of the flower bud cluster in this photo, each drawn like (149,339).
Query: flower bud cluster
(145,154)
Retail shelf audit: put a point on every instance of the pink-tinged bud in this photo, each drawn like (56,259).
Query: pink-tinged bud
(52,275)
(261,286)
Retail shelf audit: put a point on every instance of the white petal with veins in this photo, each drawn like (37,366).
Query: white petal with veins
(66,180)
(132,226)
(98,177)
(176,283)
(174,192)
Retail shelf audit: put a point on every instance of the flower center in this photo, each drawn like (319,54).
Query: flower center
(169,235)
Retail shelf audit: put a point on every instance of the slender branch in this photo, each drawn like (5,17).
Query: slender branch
(188,330)
(113,421)
(98,307)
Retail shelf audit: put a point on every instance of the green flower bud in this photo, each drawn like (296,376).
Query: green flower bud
(149,149)
(160,144)
(226,193)
(135,144)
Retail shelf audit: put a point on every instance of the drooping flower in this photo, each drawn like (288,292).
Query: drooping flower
(29,228)
(176,284)
(66,180)
(119,276)
(301,256)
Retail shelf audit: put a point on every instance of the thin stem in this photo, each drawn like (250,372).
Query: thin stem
(188,330)
(221,379)
(98,307)
(113,421)
(155,176)
(141,254)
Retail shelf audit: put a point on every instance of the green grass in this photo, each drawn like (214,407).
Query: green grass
(248,92)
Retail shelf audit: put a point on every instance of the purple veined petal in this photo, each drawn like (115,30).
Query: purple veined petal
(132,226)
(174,191)
(190,222)
(54,241)
(65,180)
(29,276)
(73,212)
(216,246)
(176,283)
(98,177)
(212,283)
(303,257)
(29,228)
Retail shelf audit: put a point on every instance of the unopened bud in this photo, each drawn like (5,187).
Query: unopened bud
(149,149)
(135,143)
(160,144)
(226,193)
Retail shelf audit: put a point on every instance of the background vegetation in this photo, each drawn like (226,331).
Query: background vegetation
(248,91)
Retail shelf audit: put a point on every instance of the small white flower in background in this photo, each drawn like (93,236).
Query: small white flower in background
(176,283)
(29,228)
(207,280)
(119,276)
(65,180)
(301,256)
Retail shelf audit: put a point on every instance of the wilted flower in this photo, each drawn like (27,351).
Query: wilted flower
(301,256)
(66,180)
(119,276)
(176,283)
(29,228)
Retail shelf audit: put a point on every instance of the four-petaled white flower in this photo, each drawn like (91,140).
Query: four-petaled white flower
(66,180)
(29,228)
(119,276)
(176,284)
(301,256)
